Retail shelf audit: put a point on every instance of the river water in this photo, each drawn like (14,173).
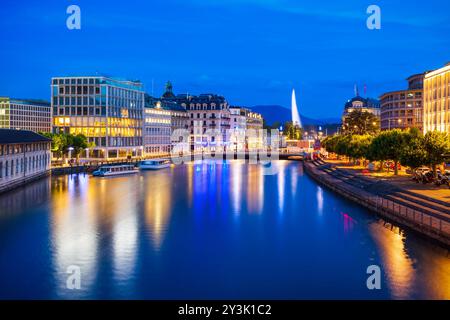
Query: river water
(206,230)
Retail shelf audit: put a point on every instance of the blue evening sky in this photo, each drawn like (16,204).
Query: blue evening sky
(251,51)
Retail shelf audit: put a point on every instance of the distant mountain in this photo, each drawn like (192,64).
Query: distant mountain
(332,120)
(276,113)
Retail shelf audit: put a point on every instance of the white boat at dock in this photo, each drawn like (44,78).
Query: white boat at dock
(154,164)
(115,170)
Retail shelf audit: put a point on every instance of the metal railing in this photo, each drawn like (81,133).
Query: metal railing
(411,214)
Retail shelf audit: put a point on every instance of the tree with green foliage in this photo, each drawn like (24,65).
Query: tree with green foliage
(342,145)
(61,142)
(358,146)
(329,143)
(361,123)
(352,146)
(292,131)
(413,154)
(409,148)
(436,144)
(388,145)
(78,142)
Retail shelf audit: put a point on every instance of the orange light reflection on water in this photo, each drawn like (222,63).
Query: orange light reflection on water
(401,271)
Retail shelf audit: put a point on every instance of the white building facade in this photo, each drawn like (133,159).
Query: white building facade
(157,129)
(24,156)
(246,129)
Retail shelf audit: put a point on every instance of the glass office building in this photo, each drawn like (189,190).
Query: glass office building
(109,112)
(25,114)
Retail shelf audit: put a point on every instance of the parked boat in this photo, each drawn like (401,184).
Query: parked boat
(154,164)
(106,171)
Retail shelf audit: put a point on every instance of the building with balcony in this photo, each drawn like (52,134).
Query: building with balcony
(403,109)
(179,122)
(24,156)
(157,128)
(25,114)
(246,127)
(179,118)
(436,100)
(209,118)
(254,123)
(209,121)
(238,118)
(254,120)
(212,124)
(238,128)
(108,111)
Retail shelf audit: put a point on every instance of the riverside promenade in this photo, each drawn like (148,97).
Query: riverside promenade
(426,215)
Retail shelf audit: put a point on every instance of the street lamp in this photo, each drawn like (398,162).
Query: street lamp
(399,121)
(70,152)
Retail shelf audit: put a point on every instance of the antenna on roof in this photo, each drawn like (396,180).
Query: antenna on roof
(152,86)
(356,90)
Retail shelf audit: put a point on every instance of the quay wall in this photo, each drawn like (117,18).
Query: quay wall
(429,226)
(19,182)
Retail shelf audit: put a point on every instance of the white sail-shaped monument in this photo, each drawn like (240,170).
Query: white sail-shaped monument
(294,110)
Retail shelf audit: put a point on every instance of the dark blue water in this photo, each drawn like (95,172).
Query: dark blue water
(207,231)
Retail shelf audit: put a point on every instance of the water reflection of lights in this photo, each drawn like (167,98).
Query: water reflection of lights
(190,179)
(319,195)
(255,189)
(281,185)
(74,232)
(200,179)
(99,229)
(397,265)
(158,203)
(77,183)
(125,233)
(349,222)
(294,180)
(236,186)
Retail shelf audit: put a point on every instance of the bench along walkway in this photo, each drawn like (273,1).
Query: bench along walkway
(424,214)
